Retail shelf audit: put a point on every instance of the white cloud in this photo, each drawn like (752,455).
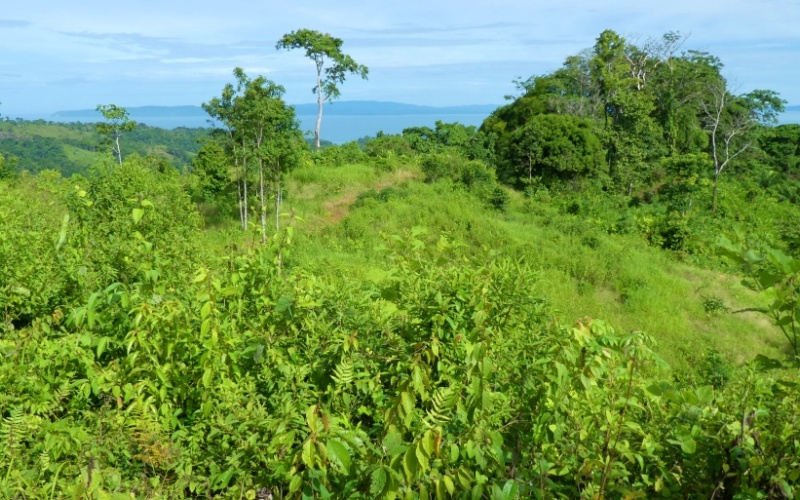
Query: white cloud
(419,51)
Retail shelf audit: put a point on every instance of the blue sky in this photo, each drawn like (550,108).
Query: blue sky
(59,55)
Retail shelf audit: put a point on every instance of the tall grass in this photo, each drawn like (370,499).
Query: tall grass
(342,214)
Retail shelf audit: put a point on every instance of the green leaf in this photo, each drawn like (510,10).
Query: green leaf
(137,214)
(448,483)
(688,445)
(410,465)
(221,481)
(418,230)
(454,452)
(428,442)
(62,235)
(407,400)
(510,489)
(311,418)
(283,304)
(338,451)
(377,482)
(705,394)
(295,483)
(423,458)
(308,454)
(200,276)
(101,345)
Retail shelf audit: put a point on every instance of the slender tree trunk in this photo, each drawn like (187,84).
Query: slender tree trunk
(239,190)
(714,195)
(278,198)
(262,203)
(119,151)
(319,102)
(244,187)
(262,192)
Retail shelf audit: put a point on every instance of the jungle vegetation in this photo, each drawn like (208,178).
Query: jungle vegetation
(592,295)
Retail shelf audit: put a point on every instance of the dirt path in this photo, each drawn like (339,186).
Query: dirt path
(338,208)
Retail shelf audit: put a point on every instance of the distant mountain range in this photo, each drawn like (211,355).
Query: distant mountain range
(338,108)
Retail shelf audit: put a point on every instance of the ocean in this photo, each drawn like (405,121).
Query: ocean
(335,128)
(790,116)
(343,128)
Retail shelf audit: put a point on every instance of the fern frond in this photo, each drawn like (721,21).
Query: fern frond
(344,373)
(13,431)
(442,403)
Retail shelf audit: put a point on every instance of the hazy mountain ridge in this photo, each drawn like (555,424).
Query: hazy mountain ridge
(342,108)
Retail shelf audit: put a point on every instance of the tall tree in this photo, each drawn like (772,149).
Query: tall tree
(117,121)
(261,130)
(323,48)
(730,120)
(620,71)
(224,116)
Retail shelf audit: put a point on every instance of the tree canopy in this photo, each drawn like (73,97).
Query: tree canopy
(331,63)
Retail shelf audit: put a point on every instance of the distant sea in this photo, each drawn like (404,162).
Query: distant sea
(791,115)
(335,128)
(341,128)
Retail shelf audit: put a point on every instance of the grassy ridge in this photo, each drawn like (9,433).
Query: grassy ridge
(340,214)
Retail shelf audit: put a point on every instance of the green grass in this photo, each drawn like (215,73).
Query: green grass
(341,213)
(82,157)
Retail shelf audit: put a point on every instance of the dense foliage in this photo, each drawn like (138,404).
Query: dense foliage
(646,104)
(72,148)
(410,327)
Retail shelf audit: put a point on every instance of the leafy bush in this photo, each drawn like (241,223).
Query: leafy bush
(775,276)
(714,306)
(36,274)
(714,370)
(336,156)
(552,147)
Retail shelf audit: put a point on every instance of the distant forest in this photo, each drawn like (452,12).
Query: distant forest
(71,148)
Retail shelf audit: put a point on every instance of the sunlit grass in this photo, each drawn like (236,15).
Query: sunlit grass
(341,214)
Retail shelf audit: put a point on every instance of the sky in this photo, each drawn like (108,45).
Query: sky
(64,55)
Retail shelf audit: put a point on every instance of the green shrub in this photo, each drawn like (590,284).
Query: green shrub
(714,370)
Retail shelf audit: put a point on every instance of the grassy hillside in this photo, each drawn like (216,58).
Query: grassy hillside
(398,335)
(75,147)
(341,213)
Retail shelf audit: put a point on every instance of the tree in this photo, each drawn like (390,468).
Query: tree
(260,130)
(212,170)
(117,121)
(321,48)
(552,147)
(729,120)
(8,167)
(630,134)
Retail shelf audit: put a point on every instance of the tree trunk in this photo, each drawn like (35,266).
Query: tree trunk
(319,118)
(119,151)
(714,195)
(278,198)
(319,102)
(244,188)
(262,203)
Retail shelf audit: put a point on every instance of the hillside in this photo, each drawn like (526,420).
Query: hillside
(75,147)
(593,294)
(390,312)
